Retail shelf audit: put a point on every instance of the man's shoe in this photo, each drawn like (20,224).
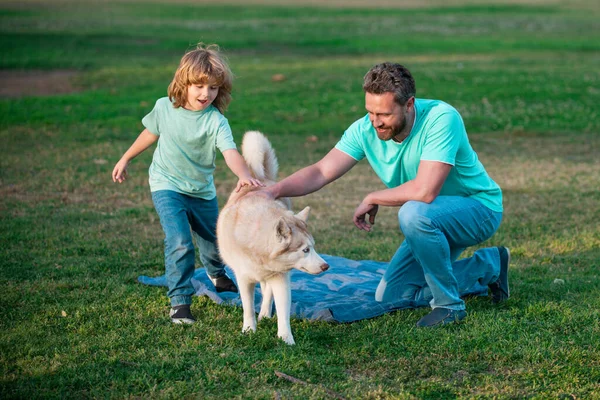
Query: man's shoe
(499,289)
(441,316)
(182,315)
(224,284)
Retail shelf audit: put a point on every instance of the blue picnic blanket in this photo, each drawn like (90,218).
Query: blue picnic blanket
(344,293)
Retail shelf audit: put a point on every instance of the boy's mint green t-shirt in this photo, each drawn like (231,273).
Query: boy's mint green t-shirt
(184,159)
(438,134)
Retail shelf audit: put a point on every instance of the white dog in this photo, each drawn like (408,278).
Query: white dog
(262,240)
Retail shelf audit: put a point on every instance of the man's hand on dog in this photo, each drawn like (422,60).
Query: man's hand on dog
(360,214)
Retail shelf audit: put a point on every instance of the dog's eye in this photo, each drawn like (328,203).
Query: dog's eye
(306,250)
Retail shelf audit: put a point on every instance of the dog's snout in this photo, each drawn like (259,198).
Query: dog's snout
(324,267)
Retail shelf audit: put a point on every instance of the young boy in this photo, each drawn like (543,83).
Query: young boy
(189,126)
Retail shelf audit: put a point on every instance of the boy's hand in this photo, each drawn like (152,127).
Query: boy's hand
(119,173)
(248,182)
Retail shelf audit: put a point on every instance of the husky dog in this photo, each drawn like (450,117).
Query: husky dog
(262,240)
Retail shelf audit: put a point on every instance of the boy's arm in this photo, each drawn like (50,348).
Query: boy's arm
(237,165)
(144,140)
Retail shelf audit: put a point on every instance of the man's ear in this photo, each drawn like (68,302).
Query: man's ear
(410,103)
(303,215)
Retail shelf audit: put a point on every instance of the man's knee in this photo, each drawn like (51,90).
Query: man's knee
(411,217)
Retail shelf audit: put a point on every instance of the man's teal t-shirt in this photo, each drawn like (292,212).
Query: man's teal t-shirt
(438,134)
(184,159)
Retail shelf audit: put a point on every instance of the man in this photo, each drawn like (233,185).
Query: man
(420,150)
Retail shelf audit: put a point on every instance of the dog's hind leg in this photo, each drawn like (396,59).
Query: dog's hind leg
(282,293)
(246,288)
(266,307)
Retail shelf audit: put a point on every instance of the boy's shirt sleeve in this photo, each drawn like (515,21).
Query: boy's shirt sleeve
(443,138)
(225,137)
(151,120)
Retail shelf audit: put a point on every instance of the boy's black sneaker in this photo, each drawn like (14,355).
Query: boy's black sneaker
(224,284)
(182,315)
(499,289)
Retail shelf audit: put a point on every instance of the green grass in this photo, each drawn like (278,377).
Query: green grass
(74,322)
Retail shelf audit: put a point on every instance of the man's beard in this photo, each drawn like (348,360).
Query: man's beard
(396,133)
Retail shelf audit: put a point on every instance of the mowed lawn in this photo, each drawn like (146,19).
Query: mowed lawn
(77,77)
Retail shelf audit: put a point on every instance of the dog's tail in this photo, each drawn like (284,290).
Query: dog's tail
(260,156)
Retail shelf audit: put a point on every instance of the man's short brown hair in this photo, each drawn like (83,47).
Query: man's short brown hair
(390,77)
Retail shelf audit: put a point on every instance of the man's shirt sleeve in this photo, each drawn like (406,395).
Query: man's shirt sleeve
(443,138)
(351,142)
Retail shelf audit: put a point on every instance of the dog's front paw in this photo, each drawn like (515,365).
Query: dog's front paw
(288,339)
(248,328)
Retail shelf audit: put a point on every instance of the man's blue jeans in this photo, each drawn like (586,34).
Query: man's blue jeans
(424,269)
(180,215)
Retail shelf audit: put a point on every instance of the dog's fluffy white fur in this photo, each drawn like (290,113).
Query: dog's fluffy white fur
(262,240)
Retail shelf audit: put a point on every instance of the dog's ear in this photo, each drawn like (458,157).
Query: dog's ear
(283,234)
(303,215)
(283,231)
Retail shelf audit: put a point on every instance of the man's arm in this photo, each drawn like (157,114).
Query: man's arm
(312,178)
(425,187)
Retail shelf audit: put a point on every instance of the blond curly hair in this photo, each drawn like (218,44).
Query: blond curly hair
(203,65)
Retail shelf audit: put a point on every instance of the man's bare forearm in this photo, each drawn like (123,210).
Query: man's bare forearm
(300,183)
(314,177)
(395,196)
